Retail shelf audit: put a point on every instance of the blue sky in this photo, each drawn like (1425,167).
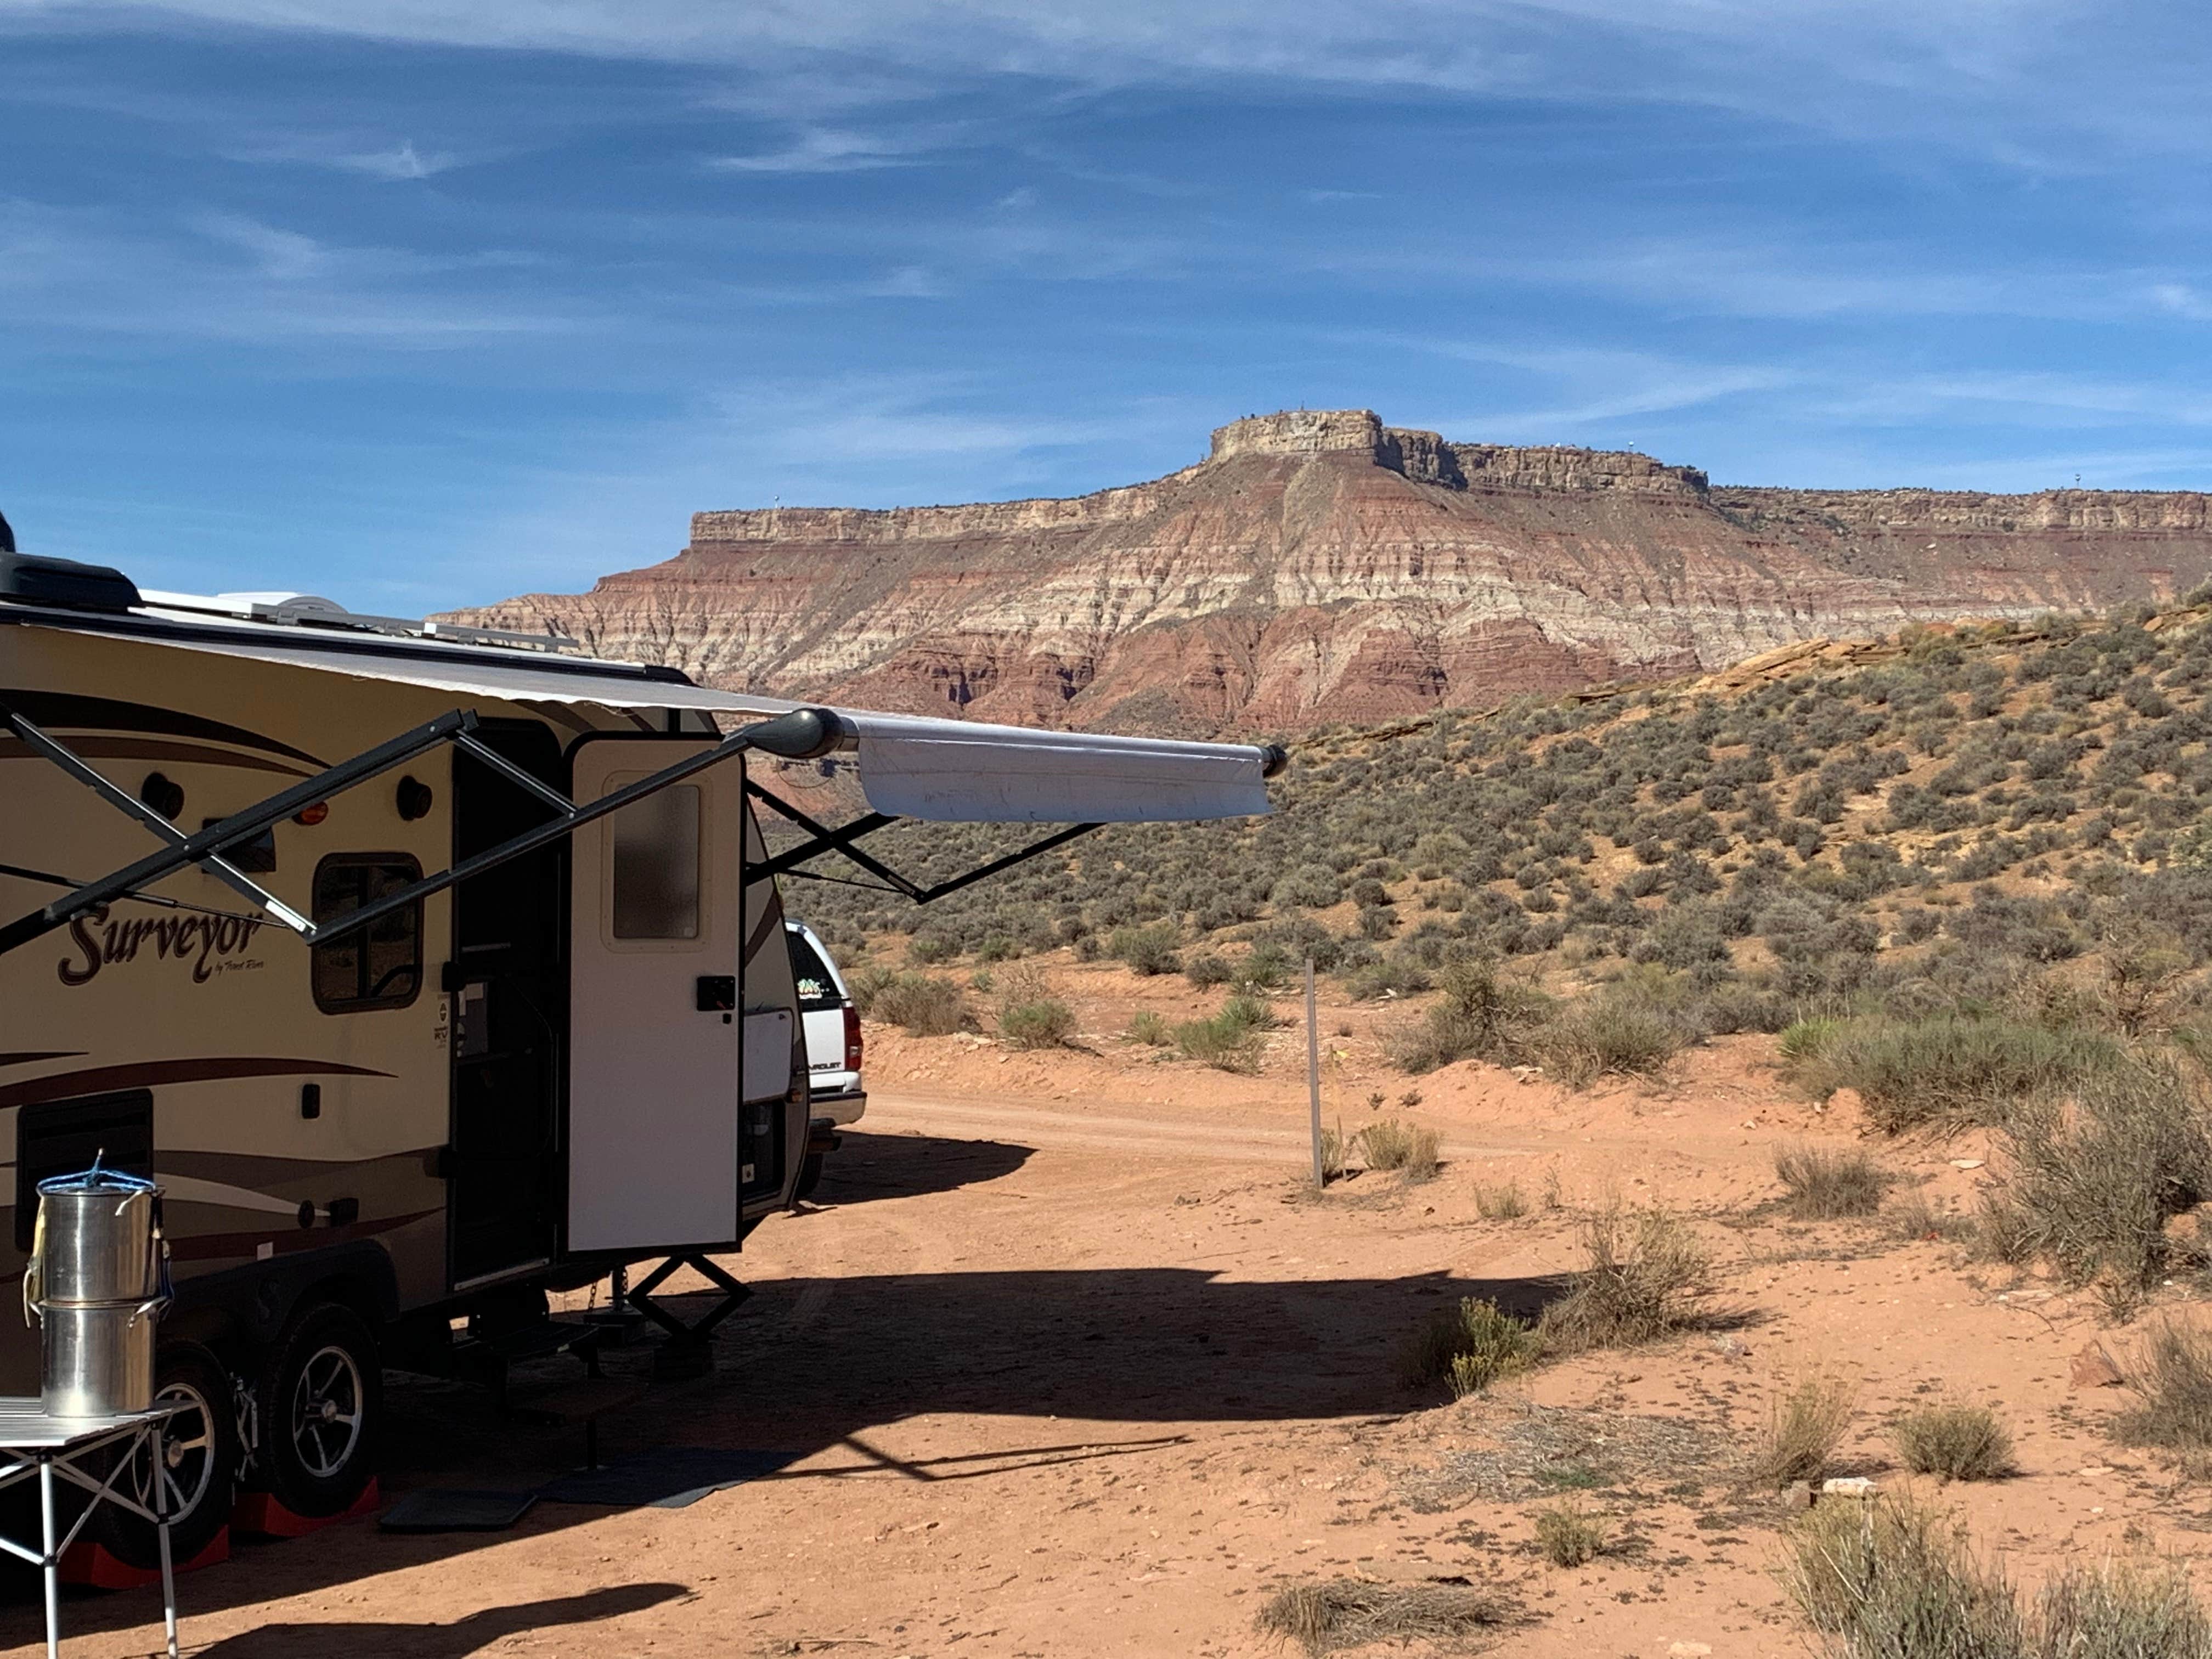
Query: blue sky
(417,302)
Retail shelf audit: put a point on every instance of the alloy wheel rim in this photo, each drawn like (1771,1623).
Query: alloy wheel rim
(184,1453)
(327,1412)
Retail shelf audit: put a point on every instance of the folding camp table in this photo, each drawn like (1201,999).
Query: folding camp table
(33,1443)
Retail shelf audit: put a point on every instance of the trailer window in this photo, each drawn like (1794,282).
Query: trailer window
(381,966)
(656,866)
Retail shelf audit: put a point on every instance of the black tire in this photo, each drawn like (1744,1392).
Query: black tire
(810,1175)
(321,1404)
(199,1446)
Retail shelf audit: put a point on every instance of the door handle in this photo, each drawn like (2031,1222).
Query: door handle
(717,994)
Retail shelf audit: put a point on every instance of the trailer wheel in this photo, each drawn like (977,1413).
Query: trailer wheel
(198,1453)
(810,1175)
(321,1403)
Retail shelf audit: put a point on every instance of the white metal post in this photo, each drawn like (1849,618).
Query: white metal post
(1313,1077)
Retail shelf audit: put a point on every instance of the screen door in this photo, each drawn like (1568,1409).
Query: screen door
(653,1070)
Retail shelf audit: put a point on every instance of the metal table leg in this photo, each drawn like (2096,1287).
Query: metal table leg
(154,1452)
(52,1565)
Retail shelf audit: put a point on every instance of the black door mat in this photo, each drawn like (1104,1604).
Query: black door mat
(666,1477)
(444,1509)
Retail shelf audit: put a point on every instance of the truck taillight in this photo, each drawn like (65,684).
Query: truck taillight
(852,1038)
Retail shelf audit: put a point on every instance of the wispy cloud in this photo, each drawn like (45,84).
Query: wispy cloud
(401,162)
(833,150)
(2026,83)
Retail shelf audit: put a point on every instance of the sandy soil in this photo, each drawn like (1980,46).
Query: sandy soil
(1073,1364)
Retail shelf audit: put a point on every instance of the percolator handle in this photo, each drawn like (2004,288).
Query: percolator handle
(33,1279)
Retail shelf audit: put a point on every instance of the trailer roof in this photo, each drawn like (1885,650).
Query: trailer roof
(908,766)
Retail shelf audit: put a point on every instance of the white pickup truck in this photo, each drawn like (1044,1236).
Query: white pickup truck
(832,1026)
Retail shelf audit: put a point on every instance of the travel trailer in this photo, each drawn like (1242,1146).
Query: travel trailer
(428,969)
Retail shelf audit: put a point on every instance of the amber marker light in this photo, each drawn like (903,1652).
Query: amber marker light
(308,817)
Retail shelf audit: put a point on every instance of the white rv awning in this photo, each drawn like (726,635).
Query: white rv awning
(945,770)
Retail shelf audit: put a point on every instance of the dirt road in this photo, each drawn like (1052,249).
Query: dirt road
(1068,1364)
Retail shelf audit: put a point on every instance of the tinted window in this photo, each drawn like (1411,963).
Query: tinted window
(817,990)
(656,866)
(380,966)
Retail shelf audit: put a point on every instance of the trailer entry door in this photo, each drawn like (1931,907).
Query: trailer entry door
(655,1057)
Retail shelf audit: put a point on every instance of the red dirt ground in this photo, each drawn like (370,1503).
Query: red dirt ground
(1074,1363)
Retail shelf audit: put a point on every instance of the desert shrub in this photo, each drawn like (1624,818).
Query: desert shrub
(1824,1184)
(1377,922)
(1147,950)
(1955,1439)
(1334,1150)
(1309,887)
(929,947)
(1353,1612)
(2120,1610)
(1646,1268)
(1230,1040)
(1469,1346)
(1804,1429)
(2172,1380)
(863,984)
(2092,1182)
(1047,1023)
(1891,1579)
(1480,1016)
(1506,1203)
(1603,1035)
(1266,967)
(1206,970)
(1568,1537)
(1387,1143)
(921,1004)
(1949,1069)
(1150,1029)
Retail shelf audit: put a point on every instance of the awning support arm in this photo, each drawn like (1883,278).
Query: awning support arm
(841,840)
(184,850)
(214,864)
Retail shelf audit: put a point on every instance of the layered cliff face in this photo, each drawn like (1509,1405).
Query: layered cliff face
(1319,566)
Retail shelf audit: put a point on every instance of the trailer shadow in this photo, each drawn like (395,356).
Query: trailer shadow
(340,1639)
(867,1166)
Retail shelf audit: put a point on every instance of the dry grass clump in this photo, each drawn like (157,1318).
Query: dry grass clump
(1568,1537)
(1150,1029)
(1031,1014)
(1956,1440)
(1804,1429)
(1826,1185)
(1409,1150)
(1469,1346)
(1334,1150)
(1646,1269)
(1947,1069)
(2121,1610)
(1890,1579)
(2092,1182)
(1231,1040)
(1351,1613)
(921,1004)
(2172,1378)
(1607,1036)
(1506,1203)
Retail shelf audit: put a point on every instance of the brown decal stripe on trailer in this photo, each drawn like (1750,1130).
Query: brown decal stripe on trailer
(156,748)
(105,1079)
(75,712)
(214,1247)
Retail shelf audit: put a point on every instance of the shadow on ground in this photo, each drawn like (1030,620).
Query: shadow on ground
(1123,1358)
(339,1639)
(872,1166)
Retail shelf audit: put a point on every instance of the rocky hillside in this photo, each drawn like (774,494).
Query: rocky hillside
(1319,565)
